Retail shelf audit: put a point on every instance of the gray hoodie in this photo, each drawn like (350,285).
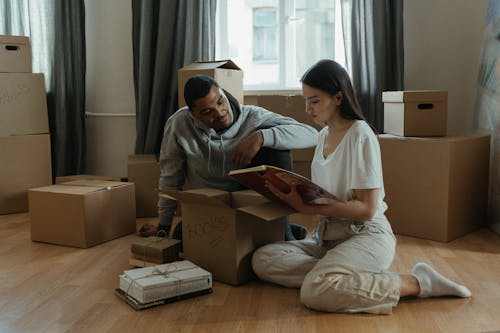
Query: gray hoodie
(195,153)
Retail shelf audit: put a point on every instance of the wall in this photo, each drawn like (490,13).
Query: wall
(442,49)
(110,90)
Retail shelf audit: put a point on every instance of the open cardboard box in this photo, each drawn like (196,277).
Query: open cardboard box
(221,230)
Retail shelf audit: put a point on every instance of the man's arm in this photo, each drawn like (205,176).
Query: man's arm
(172,175)
(280,132)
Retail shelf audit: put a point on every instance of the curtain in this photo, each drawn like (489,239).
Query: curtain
(166,36)
(57,35)
(487,110)
(373,38)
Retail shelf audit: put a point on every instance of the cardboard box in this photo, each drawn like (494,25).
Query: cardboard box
(225,72)
(144,172)
(303,155)
(436,188)
(82,213)
(15,54)
(22,171)
(220,235)
(302,168)
(71,178)
(159,250)
(150,284)
(293,106)
(415,113)
(23,104)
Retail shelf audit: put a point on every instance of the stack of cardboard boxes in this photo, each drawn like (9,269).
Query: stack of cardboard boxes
(24,126)
(436,184)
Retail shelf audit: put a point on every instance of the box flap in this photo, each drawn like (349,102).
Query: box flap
(226,64)
(268,211)
(414,96)
(203,196)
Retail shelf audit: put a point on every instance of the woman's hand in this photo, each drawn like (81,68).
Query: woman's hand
(292,198)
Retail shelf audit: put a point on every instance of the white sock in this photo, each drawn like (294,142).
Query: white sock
(434,284)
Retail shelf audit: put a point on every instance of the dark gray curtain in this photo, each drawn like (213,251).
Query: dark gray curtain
(57,35)
(373,37)
(487,110)
(166,36)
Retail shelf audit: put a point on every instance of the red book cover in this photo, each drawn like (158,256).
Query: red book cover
(256,177)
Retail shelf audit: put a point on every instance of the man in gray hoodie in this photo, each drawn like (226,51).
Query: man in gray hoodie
(215,134)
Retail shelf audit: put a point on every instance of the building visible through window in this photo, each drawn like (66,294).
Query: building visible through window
(275,41)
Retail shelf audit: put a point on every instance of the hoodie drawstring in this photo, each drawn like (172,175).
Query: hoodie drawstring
(209,150)
(223,156)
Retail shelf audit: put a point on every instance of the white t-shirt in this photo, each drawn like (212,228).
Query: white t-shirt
(355,164)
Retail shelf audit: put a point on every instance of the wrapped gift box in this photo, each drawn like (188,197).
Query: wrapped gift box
(160,282)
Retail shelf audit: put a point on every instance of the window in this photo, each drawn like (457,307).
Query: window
(275,41)
(265,31)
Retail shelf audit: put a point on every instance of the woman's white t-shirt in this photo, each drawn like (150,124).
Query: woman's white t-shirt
(355,164)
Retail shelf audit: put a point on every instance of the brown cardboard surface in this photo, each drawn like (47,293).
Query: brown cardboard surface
(22,171)
(303,155)
(436,188)
(302,168)
(70,178)
(82,213)
(23,105)
(15,54)
(144,172)
(293,106)
(221,238)
(225,72)
(415,113)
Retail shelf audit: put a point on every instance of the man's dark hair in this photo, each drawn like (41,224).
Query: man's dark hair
(197,87)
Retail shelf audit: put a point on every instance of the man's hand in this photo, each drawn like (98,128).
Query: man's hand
(248,148)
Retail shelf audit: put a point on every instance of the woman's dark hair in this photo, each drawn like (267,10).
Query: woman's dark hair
(330,77)
(198,86)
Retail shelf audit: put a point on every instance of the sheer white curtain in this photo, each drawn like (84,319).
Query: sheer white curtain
(487,117)
(35,19)
(57,36)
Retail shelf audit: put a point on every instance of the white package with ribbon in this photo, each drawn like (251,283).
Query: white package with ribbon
(150,284)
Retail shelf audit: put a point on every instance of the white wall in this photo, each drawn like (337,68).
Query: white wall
(110,91)
(442,49)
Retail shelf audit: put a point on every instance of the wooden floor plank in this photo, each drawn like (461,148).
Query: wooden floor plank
(50,288)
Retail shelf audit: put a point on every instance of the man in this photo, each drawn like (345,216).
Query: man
(215,134)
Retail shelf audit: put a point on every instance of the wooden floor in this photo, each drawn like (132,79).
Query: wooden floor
(48,288)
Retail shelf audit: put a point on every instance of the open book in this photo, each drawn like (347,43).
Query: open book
(256,178)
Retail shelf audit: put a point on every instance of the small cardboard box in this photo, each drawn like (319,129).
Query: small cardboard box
(150,284)
(26,163)
(23,104)
(71,178)
(221,230)
(15,54)
(144,172)
(159,250)
(415,113)
(436,188)
(82,213)
(225,72)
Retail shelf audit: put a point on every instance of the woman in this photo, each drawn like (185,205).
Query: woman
(343,268)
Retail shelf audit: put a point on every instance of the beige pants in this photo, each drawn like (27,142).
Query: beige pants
(343,269)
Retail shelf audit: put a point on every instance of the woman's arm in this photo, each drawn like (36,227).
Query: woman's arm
(362,208)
